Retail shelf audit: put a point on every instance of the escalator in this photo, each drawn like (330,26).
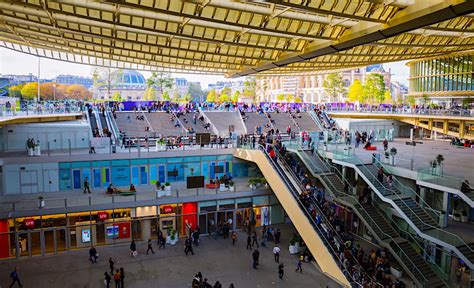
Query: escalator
(104,124)
(403,249)
(93,124)
(288,194)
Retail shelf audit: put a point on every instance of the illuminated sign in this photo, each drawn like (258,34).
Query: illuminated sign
(86,235)
(29,223)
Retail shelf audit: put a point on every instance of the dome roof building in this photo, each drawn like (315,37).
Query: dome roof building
(130,85)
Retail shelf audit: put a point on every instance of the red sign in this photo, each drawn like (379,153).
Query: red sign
(168,209)
(124,230)
(29,223)
(102,215)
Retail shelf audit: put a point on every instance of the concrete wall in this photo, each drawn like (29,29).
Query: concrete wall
(400,129)
(30,178)
(57,134)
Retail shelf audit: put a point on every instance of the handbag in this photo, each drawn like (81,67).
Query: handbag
(135,253)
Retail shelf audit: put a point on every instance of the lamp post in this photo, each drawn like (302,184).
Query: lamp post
(54,92)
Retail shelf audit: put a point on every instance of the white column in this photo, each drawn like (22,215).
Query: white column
(145,227)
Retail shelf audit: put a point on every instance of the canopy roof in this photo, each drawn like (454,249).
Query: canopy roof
(236,37)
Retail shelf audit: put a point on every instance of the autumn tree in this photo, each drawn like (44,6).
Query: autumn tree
(281,97)
(235,96)
(387,97)
(250,84)
(78,92)
(15,90)
(176,96)
(165,96)
(223,97)
(211,96)
(290,98)
(333,85)
(30,91)
(356,91)
(150,94)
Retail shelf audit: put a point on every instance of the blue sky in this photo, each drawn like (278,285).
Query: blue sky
(12,62)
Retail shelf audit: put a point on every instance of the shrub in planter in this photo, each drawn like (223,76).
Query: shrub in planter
(167,184)
(456,217)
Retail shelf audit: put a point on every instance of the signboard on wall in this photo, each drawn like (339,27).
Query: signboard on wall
(118,231)
(29,223)
(102,216)
(86,235)
(195,182)
(203,138)
(166,209)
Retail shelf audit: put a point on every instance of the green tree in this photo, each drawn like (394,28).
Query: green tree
(211,96)
(250,87)
(223,97)
(150,94)
(15,90)
(30,90)
(165,96)
(333,85)
(374,89)
(281,97)
(387,97)
(162,80)
(176,96)
(425,99)
(466,102)
(410,100)
(290,98)
(356,91)
(196,92)
(106,77)
(186,98)
(235,96)
(117,96)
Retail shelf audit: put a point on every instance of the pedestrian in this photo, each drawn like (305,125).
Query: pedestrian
(188,246)
(117,278)
(150,247)
(93,255)
(86,185)
(15,278)
(254,238)
(133,249)
(299,266)
(231,285)
(111,265)
(233,236)
(122,278)
(161,240)
(249,242)
(277,236)
(217,285)
(107,280)
(281,270)
(276,253)
(255,256)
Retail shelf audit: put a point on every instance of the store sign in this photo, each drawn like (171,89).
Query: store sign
(166,209)
(102,215)
(86,235)
(29,223)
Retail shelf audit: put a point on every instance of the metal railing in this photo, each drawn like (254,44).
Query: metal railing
(403,110)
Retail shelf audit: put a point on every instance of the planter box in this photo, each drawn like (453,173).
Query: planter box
(222,188)
(464,219)
(168,239)
(31,152)
(159,147)
(37,151)
(294,249)
(173,242)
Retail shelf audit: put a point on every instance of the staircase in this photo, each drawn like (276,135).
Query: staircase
(423,221)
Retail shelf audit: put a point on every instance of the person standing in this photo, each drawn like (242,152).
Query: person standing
(281,270)
(133,248)
(107,280)
(277,236)
(255,256)
(276,253)
(249,242)
(233,236)
(122,278)
(299,266)
(254,238)
(93,255)
(111,265)
(150,247)
(86,185)
(161,240)
(15,278)
(117,278)
(188,246)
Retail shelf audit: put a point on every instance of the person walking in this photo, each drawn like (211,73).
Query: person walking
(117,278)
(86,185)
(122,278)
(299,266)
(150,247)
(93,255)
(133,249)
(249,242)
(281,270)
(254,238)
(276,253)
(111,265)
(107,280)
(277,236)
(255,256)
(233,236)
(188,246)
(15,277)
(161,240)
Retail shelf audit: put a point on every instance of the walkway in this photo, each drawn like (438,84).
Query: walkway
(215,259)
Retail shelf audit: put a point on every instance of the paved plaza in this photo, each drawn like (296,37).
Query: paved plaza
(215,259)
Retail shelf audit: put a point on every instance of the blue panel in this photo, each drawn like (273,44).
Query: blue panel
(143,175)
(64,165)
(76,176)
(192,159)
(120,162)
(100,163)
(207,158)
(135,175)
(179,168)
(121,176)
(212,175)
(225,157)
(157,160)
(97,177)
(138,161)
(107,177)
(162,174)
(80,164)
(65,179)
(205,170)
(175,159)
(153,174)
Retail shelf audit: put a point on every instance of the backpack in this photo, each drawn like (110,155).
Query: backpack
(116,276)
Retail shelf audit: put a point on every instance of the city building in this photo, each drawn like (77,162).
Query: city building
(442,79)
(19,79)
(232,85)
(180,85)
(73,79)
(129,84)
(310,87)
